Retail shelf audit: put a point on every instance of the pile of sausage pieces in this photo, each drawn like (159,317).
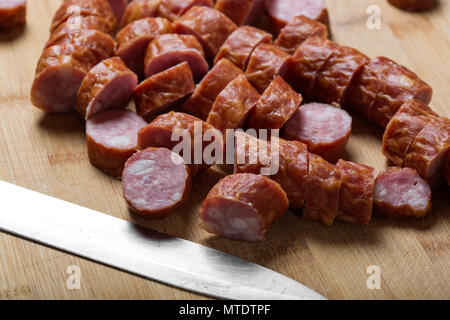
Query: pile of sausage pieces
(200,65)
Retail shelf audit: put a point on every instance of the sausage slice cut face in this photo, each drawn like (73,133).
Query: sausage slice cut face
(118,7)
(112,138)
(12,14)
(155,181)
(243,207)
(401,193)
(241,11)
(324,128)
(108,85)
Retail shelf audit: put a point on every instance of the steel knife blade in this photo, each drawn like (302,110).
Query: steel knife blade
(144,252)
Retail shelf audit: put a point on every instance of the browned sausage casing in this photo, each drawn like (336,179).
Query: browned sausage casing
(12,14)
(413,5)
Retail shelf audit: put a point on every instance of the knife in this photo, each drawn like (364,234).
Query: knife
(141,251)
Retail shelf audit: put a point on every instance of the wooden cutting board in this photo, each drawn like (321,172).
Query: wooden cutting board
(47,153)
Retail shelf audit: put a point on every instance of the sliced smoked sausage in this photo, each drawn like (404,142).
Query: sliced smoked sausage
(108,85)
(400,193)
(266,63)
(297,31)
(324,128)
(233,105)
(112,138)
(334,79)
(413,5)
(400,85)
(403,128)
(322,191)
(155,181)
(275,106)
(281,12)
(133,40)
(211,27)
(12,14)
(206,92)
(240,45)
(241,11)
(59,74)
(356,195)
(428,151)
(162,90)
(159,133)
(168,50)
(139,9)
(118,7)
(243,207)
(173,9)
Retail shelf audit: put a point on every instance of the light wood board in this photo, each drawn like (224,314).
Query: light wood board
(47,153)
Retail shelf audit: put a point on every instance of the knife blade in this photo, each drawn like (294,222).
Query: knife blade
(141,251)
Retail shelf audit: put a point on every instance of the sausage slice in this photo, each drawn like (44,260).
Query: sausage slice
(233,105)
(413,5)
(275,106)
(168,50)
(428,151)
(133,40)
(108,85)
(173,9)
(12,14)
(322,191)
(118,7)
(162,90)
(240,45)
(84,23)
(206,92)
(112,138)
(297,31)
(139,9)
(324,128)
(403,128)
(356,195)
(400,193)
(155,181)
(241,11)
(243,207)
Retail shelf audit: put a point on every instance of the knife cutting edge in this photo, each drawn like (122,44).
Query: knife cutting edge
(144,252)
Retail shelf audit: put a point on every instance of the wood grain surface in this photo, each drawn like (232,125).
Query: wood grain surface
(47,153)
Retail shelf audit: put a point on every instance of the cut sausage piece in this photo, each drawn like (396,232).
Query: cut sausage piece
(155,181)
(241,11)
(400,85)
(100,43)
(403,128)
(428,151)
(322,191)
(413,5)
(108,85)
(133,40)
(336,75)
(233,105)
(240,45)
(303,68)
(59,74)
(252,155)
(112,139)
(162,90)
(281,12)
(356,195)
(168,50)
(400,193)
(72,9)
(324,128)
(118,7)
(209,26)
(297,31)
(84,23)
(139,9)
(265,64)
(366,84)
(173,9)
(275,106)
(206,92)
(185,128)
(12,14)
(243,207)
